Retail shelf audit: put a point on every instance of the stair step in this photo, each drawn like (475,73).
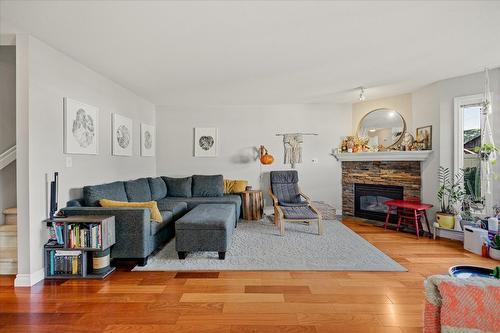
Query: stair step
(8,228)
(8,254)
(10,215)
(8,268)
(10,211)
(8,236)
(8,242)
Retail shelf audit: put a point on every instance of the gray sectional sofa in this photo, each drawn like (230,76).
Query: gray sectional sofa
(136,235)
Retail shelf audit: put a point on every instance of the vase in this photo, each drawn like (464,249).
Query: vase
(446,221)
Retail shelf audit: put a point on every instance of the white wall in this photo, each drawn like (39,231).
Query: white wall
(7,124)
(53,76)
(242,129)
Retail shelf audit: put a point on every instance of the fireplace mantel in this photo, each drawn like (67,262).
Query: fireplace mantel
(420,155)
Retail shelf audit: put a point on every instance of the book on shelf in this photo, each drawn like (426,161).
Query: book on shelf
(64,262)
(84,235)
(56,232)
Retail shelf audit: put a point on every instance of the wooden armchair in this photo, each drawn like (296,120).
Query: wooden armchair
(288,203)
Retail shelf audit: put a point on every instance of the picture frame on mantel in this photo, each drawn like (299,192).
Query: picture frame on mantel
(423,136)
(206,141)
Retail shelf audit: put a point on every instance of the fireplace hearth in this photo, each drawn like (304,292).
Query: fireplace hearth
(369,200)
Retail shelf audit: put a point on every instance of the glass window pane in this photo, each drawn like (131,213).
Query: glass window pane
(472,142)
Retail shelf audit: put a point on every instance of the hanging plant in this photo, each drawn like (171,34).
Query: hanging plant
(485,152)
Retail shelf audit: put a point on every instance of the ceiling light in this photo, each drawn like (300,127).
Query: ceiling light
(372,130)
(362,96)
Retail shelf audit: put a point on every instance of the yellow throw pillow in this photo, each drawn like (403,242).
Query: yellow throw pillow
(151,205)
(234,186)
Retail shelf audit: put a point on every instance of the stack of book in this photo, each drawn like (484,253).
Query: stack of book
(56,232)
(64,262)
(84,235)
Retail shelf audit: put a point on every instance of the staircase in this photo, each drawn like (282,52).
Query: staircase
(8,242)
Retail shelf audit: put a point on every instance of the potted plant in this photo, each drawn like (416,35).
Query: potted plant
(495,247)
(449,195)
(485,151)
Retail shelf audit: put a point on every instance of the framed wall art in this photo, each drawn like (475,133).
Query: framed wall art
(122,135)
(80,127)
(206,141)
(148,139)
(424,137)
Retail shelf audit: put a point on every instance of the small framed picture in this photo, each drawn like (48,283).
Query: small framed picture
(424,137)
(147,140)
(206,141)
(122,135)
(80,127)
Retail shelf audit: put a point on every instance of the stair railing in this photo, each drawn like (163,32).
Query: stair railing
(7,157)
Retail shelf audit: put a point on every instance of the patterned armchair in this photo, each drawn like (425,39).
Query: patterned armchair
(290,204)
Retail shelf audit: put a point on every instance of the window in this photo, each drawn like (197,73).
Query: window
(469,122)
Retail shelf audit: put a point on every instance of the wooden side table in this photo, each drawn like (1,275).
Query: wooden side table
(253,204)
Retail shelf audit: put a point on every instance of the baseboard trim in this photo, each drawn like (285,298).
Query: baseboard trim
(28,280)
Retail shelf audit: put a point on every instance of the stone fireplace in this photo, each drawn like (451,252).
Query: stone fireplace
(399,179)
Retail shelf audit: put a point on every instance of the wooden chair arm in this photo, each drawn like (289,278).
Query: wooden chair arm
(305,196)
(316,211)
(273,197)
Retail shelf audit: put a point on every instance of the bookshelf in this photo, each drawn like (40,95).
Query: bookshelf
(79,247)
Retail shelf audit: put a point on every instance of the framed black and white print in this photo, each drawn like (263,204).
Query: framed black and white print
(80,127)
(206,141)
(147,140)
(122,135)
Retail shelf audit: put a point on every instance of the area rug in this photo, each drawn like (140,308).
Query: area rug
(257,245)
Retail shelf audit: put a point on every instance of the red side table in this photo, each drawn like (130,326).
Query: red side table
(417,208)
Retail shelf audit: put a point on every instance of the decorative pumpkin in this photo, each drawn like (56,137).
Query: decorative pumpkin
(265,158)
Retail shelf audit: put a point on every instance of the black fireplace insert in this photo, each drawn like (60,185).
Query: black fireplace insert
(369,201)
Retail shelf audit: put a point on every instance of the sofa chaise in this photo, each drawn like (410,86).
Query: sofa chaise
(136,235)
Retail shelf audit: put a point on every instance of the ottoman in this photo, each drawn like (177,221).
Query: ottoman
(207,227)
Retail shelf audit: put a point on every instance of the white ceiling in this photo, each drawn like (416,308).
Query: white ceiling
(267,52)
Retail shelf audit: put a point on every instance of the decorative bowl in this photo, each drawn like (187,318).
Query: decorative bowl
(467,271)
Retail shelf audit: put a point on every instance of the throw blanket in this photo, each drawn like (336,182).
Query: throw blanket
(293,148)
(461,305)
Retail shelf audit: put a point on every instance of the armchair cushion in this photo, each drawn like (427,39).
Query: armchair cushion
(284,186)
(298,213)
(294,204)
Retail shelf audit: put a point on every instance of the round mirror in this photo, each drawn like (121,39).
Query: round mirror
(382,127)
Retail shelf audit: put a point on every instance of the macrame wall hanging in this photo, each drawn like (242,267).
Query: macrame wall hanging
(292,144)
(488,147)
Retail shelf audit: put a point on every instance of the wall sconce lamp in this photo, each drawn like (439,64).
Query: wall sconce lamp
(264,157)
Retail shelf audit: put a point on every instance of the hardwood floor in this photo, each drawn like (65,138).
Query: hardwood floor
(242,301)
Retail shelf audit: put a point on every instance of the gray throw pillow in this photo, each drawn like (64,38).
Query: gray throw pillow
(158,188)
(208,186)
(112,191)
(178,187)
(138,190)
